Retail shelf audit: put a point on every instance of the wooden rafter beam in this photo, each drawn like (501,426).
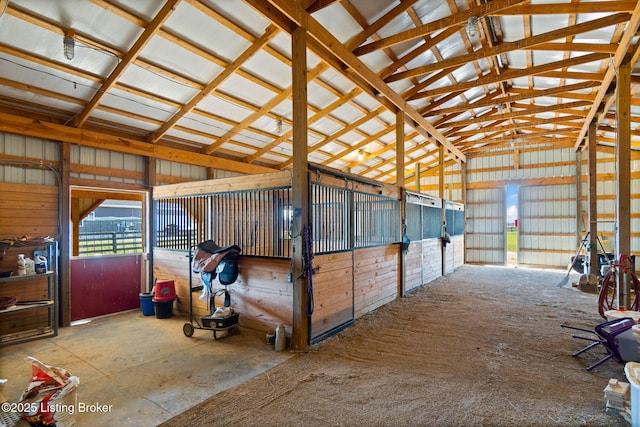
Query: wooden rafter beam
(266,37)
(623,50)
(559,92)
(528,123)
(84,137)
(380,23)
(503,48)
(331,138)
(513,73)
(568,8)
(152,28)
(320,35)
(516,112)
(426,29)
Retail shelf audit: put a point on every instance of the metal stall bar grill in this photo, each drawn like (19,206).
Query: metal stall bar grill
(376,220)
(329,218)
(258,221)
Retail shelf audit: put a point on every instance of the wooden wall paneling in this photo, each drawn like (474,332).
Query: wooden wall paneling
(174,265)
(236,183)
(23,290)
(376,277)
(262,295)
(28,209)
(413,267)
(332,292)
(431,260)
(18,323)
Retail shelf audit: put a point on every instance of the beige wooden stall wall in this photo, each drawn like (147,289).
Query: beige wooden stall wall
(262,305)
(431,260)
(455,253)
(376,277)
(25,210)
(423,263)
(413,267)
(332,292)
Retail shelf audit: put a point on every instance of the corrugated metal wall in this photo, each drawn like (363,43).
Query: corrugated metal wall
(193,173)
(486,224)
(607,205)
(547,230)
(547,205)
(87,163)
(32,150)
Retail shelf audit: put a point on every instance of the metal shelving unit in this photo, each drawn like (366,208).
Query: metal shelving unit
(50,304)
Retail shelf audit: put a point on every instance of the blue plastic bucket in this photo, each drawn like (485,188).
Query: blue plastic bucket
(146,304)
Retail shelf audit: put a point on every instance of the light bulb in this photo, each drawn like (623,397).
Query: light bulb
(69,46)
(472,26)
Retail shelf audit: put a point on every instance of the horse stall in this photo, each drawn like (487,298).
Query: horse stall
(436,239)
(355,234)
(423,258)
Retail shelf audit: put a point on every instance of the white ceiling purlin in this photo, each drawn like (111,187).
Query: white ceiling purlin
(317,32)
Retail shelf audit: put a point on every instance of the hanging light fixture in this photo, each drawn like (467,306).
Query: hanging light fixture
(279,127)
(69,46)
(472,26)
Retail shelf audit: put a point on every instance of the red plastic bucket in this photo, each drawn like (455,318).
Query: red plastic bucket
(165,291)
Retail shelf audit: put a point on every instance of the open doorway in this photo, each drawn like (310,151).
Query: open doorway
(512,224)
(107,267)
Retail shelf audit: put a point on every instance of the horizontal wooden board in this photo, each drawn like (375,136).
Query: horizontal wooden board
(238,183)
(27,209)
(376,277)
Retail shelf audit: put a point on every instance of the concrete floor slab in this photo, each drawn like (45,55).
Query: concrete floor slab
(144,370)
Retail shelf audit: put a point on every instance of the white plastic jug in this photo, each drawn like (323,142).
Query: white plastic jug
(29,266)
(21,269)
(41,264)
(281,337)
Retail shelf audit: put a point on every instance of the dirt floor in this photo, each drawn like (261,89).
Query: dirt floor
(482,346)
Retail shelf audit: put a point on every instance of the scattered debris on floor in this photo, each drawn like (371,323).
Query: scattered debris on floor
(50,397)
(618,398)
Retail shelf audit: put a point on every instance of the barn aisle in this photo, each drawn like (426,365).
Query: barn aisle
(482,346)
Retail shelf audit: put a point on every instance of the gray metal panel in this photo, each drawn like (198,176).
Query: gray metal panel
(32,151)
(182,170)
(547,224)
(88,156)
(486,222)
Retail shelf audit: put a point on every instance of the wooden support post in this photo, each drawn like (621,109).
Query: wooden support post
(463,183)
(441,171)
(400,148)
(400,184)
(623,176)
(443,250)
(417,177)
(150,180)
(64,276)
(300,187)
(592,225)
